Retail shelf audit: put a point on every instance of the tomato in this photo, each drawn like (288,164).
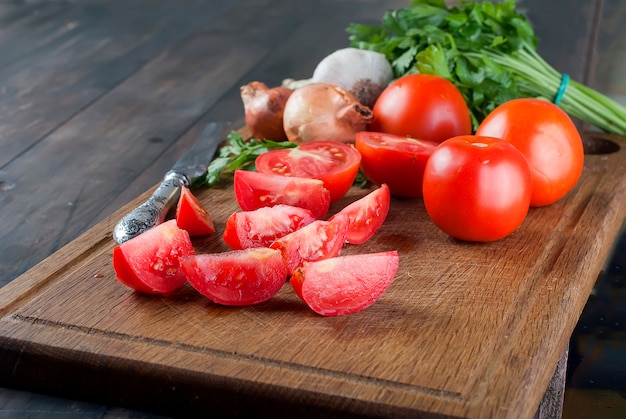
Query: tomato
(237,277)
(394,160)
(548,138)
(254,190)
(191,215)
(422,106)
(334,163)
(150,262)
(477,188)
(261,227)
(345,284)
(366,215)
(316,241)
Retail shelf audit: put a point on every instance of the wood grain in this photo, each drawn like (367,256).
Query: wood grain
(467,330)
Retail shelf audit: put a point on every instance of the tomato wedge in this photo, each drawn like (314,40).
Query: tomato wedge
(237,277)
(316,241)
(394,160)
(192,216)
(150,262)
(366,215)
(261,227)
(345,284)
(254,190)
(334,163)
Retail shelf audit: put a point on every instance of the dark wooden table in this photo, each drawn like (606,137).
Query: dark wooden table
(99,98)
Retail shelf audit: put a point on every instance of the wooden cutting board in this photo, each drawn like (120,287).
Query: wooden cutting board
(468,330)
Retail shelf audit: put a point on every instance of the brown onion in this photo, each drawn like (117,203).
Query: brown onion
(264,108)
(324,111)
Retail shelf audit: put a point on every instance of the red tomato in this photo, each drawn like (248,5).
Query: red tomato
(238,277)
(366,215)
(254,190)
(422,106)
(150,262)
(334,163)
(345,284)
(191,215)
(394,160)
(477,188)
(548,138)
(316,241)
(261,227)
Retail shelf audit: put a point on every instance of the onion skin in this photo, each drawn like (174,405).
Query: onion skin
(324,111)
(264,109)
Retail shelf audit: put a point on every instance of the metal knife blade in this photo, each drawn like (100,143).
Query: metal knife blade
(186,171)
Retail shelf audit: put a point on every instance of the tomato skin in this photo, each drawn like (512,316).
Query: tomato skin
(548,138)
(150,262)
(263,226)
(422,106)
(345,284)
(395,161)
(477,189)
(237,277)
(255,190)
(366,214)
(334,163)
(192,216)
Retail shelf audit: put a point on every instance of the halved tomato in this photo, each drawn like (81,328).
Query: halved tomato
(345,284)
(254,190)
(366,214)
(394,160)
(334,163)
(261,227)
(192,216)
(237,277)
(150,262)
(316,241)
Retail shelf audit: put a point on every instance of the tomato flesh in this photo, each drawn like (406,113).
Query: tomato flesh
(263,226)
(150,262)
(316,241)
(334,163)
(192,216)
(366,215)
(345,284)
(477,188)
(238,277)
(549,140)
(255,190)
(395,161)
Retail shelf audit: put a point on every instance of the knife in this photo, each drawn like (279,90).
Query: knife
(186,171)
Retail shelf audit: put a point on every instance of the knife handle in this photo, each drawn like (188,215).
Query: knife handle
(153,211)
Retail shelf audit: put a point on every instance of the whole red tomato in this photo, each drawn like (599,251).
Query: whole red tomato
(422,106)
(548,138)
(477,188)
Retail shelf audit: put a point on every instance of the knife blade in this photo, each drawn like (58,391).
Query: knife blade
(186,171)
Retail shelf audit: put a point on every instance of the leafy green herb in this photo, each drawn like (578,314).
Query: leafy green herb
(488,50)
(238,153)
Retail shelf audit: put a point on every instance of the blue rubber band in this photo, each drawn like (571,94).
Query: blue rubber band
(562,87)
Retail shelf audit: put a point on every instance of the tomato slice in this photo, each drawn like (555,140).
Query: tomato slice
(192,216)
(334,163)
(261,227)
(254,190)
(345,284)
(394,160)
(316,241)
(366,215)
(237,277)
(150,262)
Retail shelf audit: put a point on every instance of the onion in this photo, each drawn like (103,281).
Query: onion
(264,110)
(324,111)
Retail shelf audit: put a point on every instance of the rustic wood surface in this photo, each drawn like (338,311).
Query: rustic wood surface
(99,98)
